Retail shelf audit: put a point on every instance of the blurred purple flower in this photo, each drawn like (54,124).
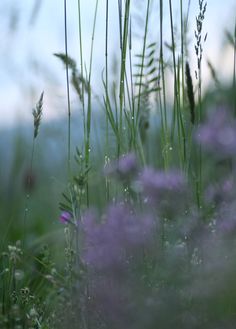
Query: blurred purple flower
(223,191)
(218,134)
(157,185)
(226,219)
(114,242)
(115,250)
(123,168)
(227,226)
(65,217)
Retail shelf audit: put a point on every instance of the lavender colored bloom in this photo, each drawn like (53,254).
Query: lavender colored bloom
(223,191)
(127,164)
(160,180)
(124,168)
(227,226)
(113,249)
(218,134)
(226,219)
(163,189)
(111,244)
(65,217)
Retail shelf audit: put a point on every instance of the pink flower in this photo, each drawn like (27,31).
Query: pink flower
(65,217)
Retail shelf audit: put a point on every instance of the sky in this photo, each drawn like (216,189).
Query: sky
(31,31)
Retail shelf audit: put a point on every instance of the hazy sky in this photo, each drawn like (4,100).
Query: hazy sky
(30,32)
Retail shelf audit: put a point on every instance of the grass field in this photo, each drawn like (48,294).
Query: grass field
(123,216)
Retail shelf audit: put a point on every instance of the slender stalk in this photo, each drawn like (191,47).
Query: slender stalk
(81,66)
(106,67)
(124,42)
(142,62)
(37,115)
(199,52)
(162,97)
(132,89)
(234,72)
(182,52)
(26,209)
(89,104)
(107,97)
(68,93)
(177,111)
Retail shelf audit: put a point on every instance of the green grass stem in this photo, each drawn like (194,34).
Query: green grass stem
(68,93)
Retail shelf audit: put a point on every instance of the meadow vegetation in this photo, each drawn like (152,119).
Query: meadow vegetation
(133,224)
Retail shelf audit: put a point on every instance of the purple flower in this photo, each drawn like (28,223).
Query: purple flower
(65,217)
(223,191)
(165,191)
(111,244)
(124,168)
(116,248)
(218,134)
(157,184)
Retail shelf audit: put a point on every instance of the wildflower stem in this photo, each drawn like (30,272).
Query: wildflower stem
(68,93)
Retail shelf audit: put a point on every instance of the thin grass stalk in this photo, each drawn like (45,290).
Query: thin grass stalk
(37,115)
(190,96)
(183,31)
(177,111)
(107,97)
(106,68)
(191,101)
(89,104)
(123,66)
(116,112)
(132,88)
(26,208)
(199,51)
(234,72)
(137,138)
(142,62)
(182,53)
(178,73)
(162,69)
(162,98)
(130,117)
(129,97)
(81,67)
(68,94)
(120,12)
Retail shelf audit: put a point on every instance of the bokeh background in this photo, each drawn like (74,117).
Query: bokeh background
(31,31)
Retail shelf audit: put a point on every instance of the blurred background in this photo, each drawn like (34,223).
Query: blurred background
(30,33)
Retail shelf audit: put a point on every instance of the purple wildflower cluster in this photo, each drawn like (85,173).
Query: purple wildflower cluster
(124,168)
(158,188)
(155,259)
(163,190)
(113,248)
(114,242)
(218,134)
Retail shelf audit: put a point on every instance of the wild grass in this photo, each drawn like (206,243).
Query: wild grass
(148,224)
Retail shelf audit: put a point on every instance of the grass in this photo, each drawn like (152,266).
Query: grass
(146,224)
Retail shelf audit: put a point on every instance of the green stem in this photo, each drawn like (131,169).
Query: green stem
(162,96)
(177,111)
(123,66)
(142,62)
(107,98)
(89,105)
(234,73)
(68,93)
(81,67)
